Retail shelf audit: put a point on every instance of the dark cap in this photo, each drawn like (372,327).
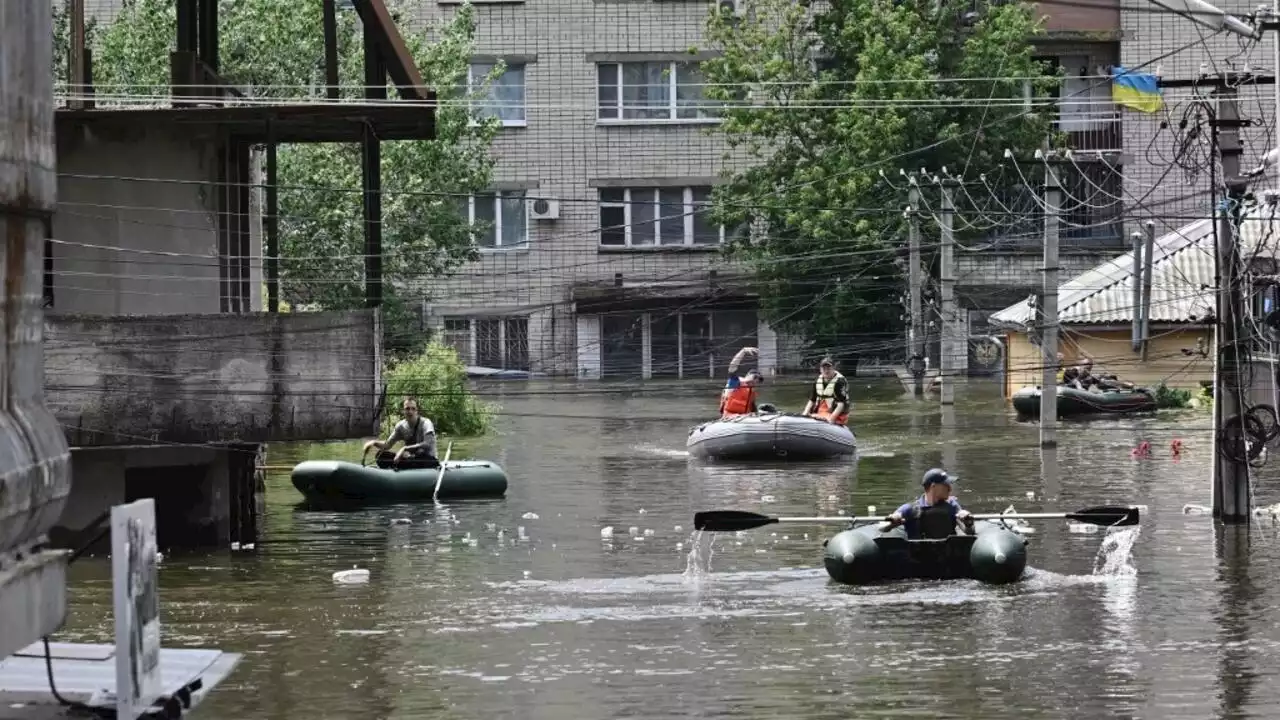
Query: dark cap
(826,362)
(937,475)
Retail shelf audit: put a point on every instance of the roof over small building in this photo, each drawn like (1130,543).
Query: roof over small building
(1182,278)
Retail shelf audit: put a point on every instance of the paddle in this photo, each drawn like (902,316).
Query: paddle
(440,477)
(734,520)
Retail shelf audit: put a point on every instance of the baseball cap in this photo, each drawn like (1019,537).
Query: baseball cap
(937,475)
(826,362)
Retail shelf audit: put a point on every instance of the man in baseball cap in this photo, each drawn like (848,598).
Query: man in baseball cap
(935,513)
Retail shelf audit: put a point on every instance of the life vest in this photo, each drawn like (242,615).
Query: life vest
(826,391)
(738,401)
(935,522)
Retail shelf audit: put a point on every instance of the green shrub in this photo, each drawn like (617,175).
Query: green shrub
(438,379)
(1168,398)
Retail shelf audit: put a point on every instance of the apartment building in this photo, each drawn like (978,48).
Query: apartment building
(599,263)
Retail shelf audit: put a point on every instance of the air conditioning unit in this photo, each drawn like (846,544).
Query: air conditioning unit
(544,209)
(737,8)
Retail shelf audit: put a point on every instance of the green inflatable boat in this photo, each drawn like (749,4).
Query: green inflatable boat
(993,554)
(1074,402)
(336,480)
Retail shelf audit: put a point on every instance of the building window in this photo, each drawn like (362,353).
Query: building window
(503,216)
(490,342)
(657,216)
(503,98)
(651,91)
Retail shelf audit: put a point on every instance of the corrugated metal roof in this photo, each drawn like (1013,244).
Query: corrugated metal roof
(1182,285)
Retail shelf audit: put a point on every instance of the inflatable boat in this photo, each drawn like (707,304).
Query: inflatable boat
(336,480)
(770,436)
(1074,402)
(994,554)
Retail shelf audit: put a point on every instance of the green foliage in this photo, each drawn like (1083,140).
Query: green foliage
(817,135)
(438,379)
(1168,398)
(276,48)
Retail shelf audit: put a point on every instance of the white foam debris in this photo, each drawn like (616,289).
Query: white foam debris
(871,510)
(1190,509)
(679,546)
(490,526)
(648,532)
(401,521)
(1272,510)
(353,576)
(530,516)
(520,533)
(633,530)
(840,512)
(606,532)
(1081,528)
(527,573)
(642,511)
(832,498)
(678,528)
(768,499)
(1031,494)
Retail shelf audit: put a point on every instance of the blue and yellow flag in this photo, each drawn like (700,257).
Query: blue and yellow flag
(1140,91)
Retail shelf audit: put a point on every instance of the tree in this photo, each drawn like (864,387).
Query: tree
(275,48)
(820,101)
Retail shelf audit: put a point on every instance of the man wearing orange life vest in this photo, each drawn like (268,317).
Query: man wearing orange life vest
(829,399)
(739,396)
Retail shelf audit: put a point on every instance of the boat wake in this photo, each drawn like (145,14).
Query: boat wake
(660,451)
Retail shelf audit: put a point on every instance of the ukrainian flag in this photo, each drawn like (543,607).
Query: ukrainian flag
(1139,91)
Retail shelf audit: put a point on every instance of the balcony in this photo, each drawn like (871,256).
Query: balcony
(1096,130)
(1096,20)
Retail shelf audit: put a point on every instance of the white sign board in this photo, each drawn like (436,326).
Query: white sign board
(136,600)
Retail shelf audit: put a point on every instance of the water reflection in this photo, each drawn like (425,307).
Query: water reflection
(475,610)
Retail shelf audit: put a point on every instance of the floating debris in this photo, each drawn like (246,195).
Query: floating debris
(529,516)
(354,576)
(606,532)
(1190,509)
(768,499)
(402,521)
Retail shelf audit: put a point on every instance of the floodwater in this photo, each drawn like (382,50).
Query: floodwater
(520,608)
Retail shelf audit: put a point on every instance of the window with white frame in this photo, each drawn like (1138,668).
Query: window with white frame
(657,217)
(500,342)
(504,98)
(504,216)
(652,91)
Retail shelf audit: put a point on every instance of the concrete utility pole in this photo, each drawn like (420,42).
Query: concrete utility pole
(1135,323)
(35,472)
(1049,311)
(916,279)
(947,280)
(1148,262)
(1232,494)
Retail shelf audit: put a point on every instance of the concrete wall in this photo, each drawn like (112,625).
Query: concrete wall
(136,228)
(1111,352)
(213,378)
(100,482)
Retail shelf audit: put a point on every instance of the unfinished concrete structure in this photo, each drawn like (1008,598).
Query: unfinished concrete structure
(163,372)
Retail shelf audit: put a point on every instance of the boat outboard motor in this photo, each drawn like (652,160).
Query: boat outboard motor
(936,522)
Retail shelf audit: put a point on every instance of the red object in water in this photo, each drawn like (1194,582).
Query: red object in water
(1143,449)
(1176,447)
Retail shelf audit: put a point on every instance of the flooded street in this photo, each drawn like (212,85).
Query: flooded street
(524,608)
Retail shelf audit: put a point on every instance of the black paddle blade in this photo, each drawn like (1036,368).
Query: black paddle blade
(730,520)
(1110,516)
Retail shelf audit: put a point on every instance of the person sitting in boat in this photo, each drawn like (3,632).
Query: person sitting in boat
(829,398)
(1100,380)
(739,395)
(934,514)
(419,438)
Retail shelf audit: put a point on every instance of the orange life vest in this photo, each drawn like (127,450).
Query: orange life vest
(738,401)
(826,392)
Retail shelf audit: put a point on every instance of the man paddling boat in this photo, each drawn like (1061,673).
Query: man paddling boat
(418,435)
(934,514)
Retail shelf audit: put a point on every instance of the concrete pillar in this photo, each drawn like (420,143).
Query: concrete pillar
(35,476)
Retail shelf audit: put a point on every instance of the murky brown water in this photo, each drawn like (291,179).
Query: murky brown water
(480,612)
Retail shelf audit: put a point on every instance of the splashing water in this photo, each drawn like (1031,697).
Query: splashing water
(1115,555)
(696,564)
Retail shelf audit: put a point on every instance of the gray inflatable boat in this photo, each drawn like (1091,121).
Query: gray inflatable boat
(770,436)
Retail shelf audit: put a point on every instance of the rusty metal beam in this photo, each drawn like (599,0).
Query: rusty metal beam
(379,26)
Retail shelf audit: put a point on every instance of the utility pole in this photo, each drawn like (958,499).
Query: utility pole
(947,279)
(916,279)
(1232,496)
(1148,262)
(1049,311)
